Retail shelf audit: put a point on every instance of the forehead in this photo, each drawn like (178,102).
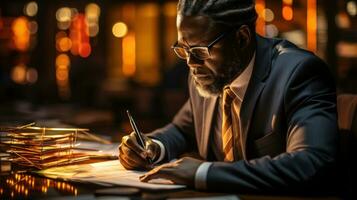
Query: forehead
(196,27)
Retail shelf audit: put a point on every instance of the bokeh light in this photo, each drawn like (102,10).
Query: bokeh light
(287,13)
(129,55)
(63,14)
(31,9)
(62,59)
(271,30)
(18,74)
(62,75)
(64,44)
(31,75)
(93,30)
(21,33)
(342,20)
(119,29)
(33,27)
(260,23)
(74,12)
(60,35)
(269,15)
(351,8)
(84,50)
(260,10)
(92,11)
(311,21)
(79,36)
(63,25)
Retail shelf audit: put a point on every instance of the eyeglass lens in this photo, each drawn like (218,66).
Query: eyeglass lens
(200,53)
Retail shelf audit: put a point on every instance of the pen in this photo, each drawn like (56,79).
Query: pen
(139,137)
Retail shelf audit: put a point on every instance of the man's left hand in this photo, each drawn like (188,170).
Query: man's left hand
(179,172)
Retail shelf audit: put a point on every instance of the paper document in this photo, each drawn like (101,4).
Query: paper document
(108,172)
(97,149)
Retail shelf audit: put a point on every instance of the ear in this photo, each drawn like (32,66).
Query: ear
(244,36)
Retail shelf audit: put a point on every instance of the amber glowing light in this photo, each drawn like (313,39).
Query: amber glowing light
(129,67)
(260,9)
(79,37)
(21,32)
(287,13)
(62,75)
(287,10)
(18,74)
(311,25)
(81,26)
(119,29)
(19,185)
(64,44)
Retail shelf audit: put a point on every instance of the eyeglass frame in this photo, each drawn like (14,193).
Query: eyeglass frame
(189,50)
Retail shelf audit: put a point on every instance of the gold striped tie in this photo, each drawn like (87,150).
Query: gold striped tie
(227,131)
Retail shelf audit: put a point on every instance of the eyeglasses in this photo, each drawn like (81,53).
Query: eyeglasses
(199,52)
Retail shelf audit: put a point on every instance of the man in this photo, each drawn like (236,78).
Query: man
(261,112)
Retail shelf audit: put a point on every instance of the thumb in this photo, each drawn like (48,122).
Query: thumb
(150,153)
(152,149)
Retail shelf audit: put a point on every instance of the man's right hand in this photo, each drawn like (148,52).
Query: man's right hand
(133,156)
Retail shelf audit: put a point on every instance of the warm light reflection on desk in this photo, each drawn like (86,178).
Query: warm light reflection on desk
(24,184)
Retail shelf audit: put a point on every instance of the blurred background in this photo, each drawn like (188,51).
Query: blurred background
(83,63)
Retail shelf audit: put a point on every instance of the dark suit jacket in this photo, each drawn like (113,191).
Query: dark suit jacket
(288,125)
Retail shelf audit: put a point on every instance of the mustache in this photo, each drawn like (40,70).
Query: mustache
(200,71)
(221,78)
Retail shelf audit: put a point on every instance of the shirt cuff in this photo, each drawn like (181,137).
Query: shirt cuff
(201,176)
(162,151)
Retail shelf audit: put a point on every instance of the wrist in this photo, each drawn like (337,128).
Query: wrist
(159,151)
(201,175)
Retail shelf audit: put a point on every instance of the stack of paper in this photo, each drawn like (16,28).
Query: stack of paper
(107,173)
(40,147)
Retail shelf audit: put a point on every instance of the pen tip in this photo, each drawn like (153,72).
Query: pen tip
(128,113)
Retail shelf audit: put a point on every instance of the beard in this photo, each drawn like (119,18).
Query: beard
(224,77)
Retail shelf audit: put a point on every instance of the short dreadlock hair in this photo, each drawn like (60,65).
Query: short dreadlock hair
(229,12)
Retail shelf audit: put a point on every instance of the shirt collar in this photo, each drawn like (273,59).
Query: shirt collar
(240,84)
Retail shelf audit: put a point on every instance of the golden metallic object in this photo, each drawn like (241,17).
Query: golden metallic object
(41,147)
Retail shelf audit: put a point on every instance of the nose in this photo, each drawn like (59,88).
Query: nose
(193,62)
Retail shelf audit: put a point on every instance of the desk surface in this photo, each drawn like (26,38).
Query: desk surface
(31,186)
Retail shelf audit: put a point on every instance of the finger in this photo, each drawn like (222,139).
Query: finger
(137,161)
(132,152)
(119,147)
(161,171)
(132,159)
(150,153)
(152,149)
(125,162)
(133,144)
(148,177)
(140,160)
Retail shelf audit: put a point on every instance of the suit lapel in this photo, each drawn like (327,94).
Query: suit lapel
(256,84)
(208,113)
